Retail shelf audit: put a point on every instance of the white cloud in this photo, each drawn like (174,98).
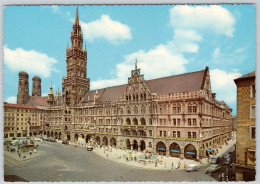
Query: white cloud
(188,24)
(223,84)
(216,53)
(11,99)
(30,61)
(214,17)
(113,31)
(158,62)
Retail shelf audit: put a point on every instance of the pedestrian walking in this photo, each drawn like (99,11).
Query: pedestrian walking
(179,164)
(226,177)
(172,165)
(223,176)
(219,177)
(30,152)
(185,165)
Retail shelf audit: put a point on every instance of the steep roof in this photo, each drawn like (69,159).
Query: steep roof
(24,106)
(178,83)
(38,101)
(248,75)
(173,84)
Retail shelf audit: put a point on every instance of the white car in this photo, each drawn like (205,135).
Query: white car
(89,148)
(227,156)
(213,168)
(38,139)
(192,167)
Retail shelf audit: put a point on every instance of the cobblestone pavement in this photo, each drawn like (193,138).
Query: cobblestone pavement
(67,163)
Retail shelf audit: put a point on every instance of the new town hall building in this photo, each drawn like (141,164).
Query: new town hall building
(174,116)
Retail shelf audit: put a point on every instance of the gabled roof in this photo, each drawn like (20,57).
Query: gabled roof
(187,82)
(38,101)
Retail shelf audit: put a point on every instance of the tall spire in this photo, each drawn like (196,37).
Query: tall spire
(136,64)
(85,49)
(50,91)
(76,22)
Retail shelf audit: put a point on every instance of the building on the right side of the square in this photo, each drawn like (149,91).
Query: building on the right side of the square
(246,116)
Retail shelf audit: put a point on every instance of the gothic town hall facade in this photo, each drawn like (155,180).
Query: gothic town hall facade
(175,116)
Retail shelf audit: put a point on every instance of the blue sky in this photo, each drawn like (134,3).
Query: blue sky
(166,40)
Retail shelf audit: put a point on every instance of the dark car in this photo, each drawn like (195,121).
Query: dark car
(65,142)
(53,140)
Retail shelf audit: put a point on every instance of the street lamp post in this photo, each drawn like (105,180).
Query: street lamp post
(28,128)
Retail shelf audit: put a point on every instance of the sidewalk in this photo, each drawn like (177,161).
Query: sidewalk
(24,156)
(165,163)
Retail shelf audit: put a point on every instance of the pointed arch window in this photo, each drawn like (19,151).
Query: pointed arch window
(189,108)
(178,109)
(143,110)
(194,108)
(135,110)
(128,110)
(174,109)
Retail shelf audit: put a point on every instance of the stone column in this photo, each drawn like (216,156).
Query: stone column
(132,147)
(167,150)
(139,147)
(182,152)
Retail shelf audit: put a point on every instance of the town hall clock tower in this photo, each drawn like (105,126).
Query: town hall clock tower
(76,84)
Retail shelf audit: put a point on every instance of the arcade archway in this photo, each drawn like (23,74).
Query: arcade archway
(174,150)
(190,152)
(161,148)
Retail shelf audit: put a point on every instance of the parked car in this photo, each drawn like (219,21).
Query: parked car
(38,139)
(53,140)
(227,161)
(227,156)
(213,168)
(192,167)
(89,148)
(214,159)
(65,142)
(14,142)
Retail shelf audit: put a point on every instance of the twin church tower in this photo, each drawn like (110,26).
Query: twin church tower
(75,85)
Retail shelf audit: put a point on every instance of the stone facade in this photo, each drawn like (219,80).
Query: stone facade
(174,116)
(246,143)
(19,118)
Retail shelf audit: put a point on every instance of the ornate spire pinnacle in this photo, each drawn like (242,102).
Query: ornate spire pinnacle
(76,22)
(85,49)
(136,64)
(67,45)
(50,91)
(96,91)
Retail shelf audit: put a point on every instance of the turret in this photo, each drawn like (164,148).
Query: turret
(50,99)
(23,96)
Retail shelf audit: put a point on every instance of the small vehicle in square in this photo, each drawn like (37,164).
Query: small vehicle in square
(89,148)
(65,142)
(38,139)
(192,167)
(213,168)
(214,159)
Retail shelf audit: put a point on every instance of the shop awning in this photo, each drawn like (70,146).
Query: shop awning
(175,151)
(209,150)
(161,149)
(189,152)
